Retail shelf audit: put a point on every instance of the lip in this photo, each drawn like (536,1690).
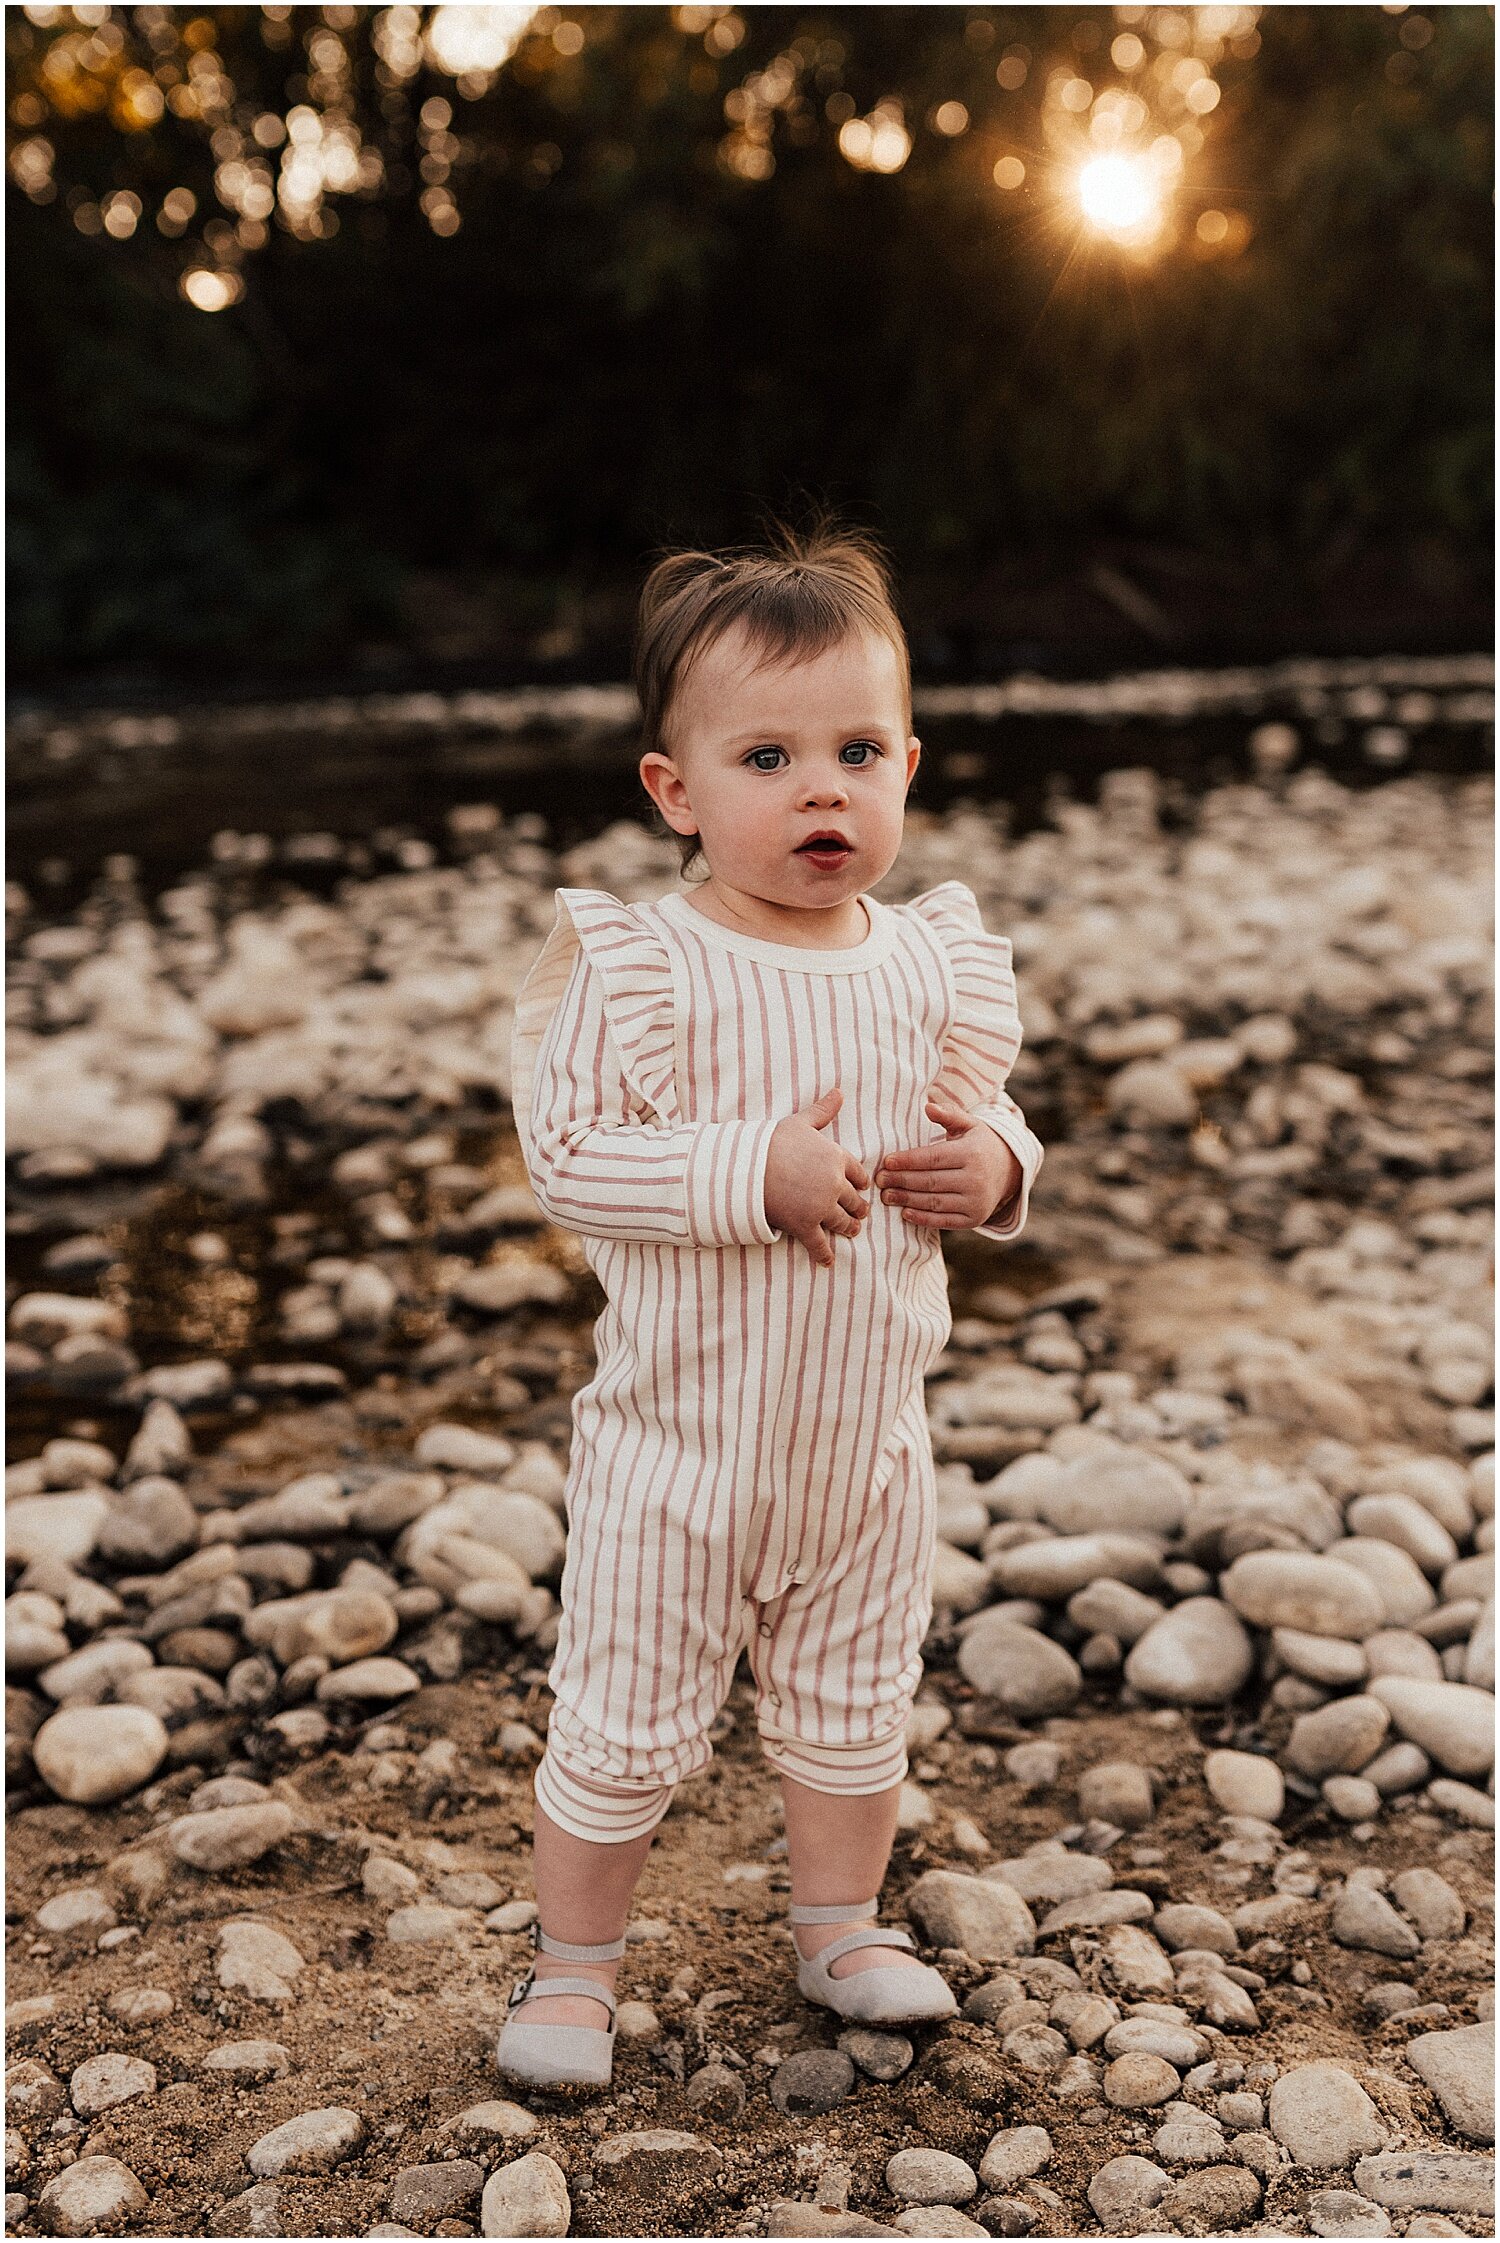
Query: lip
(825,848)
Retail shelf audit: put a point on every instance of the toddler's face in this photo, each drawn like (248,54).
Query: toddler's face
(767,756)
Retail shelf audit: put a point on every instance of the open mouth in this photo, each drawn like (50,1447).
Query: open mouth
(825,849)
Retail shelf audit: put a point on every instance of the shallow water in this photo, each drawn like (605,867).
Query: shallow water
(343,784)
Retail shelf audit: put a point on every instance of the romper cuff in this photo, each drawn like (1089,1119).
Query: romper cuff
(1012,1131)
(725,1184)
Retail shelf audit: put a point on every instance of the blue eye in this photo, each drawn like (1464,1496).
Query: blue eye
(871,749)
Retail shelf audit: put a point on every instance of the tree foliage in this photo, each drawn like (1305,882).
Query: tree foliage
(653,268)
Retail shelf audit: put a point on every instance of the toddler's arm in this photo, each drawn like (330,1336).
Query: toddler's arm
(598,1167)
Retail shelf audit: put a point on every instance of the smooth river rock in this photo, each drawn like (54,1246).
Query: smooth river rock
(1198,1655)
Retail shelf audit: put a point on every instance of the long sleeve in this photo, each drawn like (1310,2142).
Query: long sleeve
(600,1166)
(984,1037)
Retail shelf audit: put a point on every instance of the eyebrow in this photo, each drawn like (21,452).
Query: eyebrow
(767,732)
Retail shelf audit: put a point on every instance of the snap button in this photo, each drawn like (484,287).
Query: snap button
(775,1701)
(765,1627)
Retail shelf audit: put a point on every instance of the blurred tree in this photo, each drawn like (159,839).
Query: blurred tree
(308,299)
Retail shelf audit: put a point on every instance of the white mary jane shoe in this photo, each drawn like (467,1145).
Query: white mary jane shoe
(897,1995)
(560,2055)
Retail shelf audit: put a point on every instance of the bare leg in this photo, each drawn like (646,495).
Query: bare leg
(838,1847)
(583,1896)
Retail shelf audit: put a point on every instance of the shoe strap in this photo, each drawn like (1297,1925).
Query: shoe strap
(841,1912)
(544,1987)
(853,1939)
(566,1951)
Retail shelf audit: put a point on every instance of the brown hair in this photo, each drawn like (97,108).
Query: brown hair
(795,596)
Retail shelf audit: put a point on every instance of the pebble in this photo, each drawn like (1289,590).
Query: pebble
(1134,2082)
(1093,1909)
(928,2176)
(527,2197)
(1362,1918)
(1117,1791)
(1188,2136)
(1322,2116)
(81,1912)
(1245,1783)
(1138,1964)
(1430,1901)
(882,2056)
(1452,1721)
(1052,1877)
(1124,2194)
(717,2094)
(369,1679)
(1337,1739)
(257,2211)
(311,2143)
(257,1960)
(1429,2181)
(428,1921)
(1181,1924)
(638,2021)
(498,2121)
(1198,1655)
(1321,1596)
(1217,2200)
(102,2081)
(935,2219)
(1014,2155)
(1459,2067)
(443,2191)
(223,1838)
(1345,2212)
(1325,1659)
(256,2060)
(1463,1801)
(511,1916)
(94,1754)
(813,2081)
(1177,2045)
(92,2197)
(1022,1670)
(1034,1766)
(981,1915)
(140,2005)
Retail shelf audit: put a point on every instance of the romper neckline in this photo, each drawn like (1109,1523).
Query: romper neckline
(793,957)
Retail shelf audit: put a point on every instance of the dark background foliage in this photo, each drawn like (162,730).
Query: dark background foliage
(401,446)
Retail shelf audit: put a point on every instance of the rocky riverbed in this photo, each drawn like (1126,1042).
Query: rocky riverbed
(1200,1813)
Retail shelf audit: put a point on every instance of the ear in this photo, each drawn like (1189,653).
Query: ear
(663,782)
(913,757)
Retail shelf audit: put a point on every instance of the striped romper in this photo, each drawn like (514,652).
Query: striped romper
(751,1466)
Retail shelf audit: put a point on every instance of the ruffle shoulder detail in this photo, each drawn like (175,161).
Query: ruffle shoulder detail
(635,978)
(984,1032)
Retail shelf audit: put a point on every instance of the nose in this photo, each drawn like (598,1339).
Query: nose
(833,791)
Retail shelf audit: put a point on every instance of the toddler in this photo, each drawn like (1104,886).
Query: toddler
(759,1101)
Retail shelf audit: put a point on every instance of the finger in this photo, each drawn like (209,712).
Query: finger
(922,1158)
(856,1173)
(921,1221)
(853,1205)
(945,1203)
(949,1114)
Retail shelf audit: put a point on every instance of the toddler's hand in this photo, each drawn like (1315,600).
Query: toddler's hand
(952,1186)
(813,1187)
